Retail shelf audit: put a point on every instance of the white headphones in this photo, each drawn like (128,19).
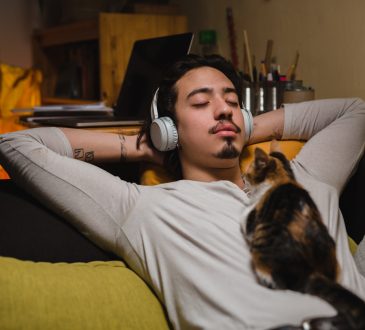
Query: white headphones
(163,131)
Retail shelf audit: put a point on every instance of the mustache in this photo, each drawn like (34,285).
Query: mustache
(216,127)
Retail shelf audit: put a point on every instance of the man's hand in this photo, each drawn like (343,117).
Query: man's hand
(151,155)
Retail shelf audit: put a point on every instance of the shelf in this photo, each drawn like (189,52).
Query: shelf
(87,60)
(75,32)
(58,100)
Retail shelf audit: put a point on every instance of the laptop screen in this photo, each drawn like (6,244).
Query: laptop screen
(148,61)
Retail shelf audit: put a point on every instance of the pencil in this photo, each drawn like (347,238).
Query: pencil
(268,54)
(248,53)
(293,67)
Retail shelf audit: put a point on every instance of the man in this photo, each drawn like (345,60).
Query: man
(184,238)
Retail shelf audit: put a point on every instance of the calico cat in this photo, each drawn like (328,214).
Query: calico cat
(291,247)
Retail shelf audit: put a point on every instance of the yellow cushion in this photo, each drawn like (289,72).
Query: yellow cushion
(95,295)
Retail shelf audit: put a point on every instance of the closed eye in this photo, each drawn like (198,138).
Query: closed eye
(200,105)
(232,103)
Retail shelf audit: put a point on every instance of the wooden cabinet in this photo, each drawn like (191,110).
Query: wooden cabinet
(87,60)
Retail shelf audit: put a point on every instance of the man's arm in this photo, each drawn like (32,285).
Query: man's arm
(336,133)
(96,147)
(334,129)
(268,126)
(96,202)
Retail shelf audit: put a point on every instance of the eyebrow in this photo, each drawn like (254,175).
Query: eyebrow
(207,90)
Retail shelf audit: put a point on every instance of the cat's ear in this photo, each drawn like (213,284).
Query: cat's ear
(275,146)
(261,158)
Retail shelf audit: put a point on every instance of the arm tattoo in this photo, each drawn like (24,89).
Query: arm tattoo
(123,149)
(89,156)
(79,153)
(82,155)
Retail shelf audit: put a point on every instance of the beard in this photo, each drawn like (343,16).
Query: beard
(228,151)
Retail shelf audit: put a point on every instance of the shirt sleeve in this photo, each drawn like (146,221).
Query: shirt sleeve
(335,134)
(96,202)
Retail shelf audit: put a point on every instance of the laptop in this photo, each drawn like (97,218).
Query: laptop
(147,63)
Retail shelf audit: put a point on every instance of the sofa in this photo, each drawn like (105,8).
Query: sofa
(51,277)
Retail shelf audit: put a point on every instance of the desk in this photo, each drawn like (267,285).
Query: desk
(12,124)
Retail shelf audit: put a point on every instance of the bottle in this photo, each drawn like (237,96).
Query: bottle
(208,42)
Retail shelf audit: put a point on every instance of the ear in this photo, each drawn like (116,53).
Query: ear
(261,158)
(275,146)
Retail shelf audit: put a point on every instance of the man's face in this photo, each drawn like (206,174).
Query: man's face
(210,122)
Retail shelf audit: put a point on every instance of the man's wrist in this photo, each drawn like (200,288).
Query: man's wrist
(123,148)
(268,126)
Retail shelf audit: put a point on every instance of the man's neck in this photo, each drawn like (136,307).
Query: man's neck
(232,174)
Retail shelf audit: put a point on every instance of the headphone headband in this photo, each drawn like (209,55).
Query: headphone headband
(154,112)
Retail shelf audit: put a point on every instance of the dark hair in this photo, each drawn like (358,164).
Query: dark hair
(167,96)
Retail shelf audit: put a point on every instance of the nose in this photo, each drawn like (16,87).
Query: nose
(222,110)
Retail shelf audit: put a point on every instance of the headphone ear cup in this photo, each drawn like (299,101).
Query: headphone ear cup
(248,121)
(163,134)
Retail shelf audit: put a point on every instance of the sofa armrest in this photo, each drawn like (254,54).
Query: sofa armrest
(95,295)
(29,231)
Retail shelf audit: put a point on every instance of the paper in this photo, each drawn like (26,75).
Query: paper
(73,107)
